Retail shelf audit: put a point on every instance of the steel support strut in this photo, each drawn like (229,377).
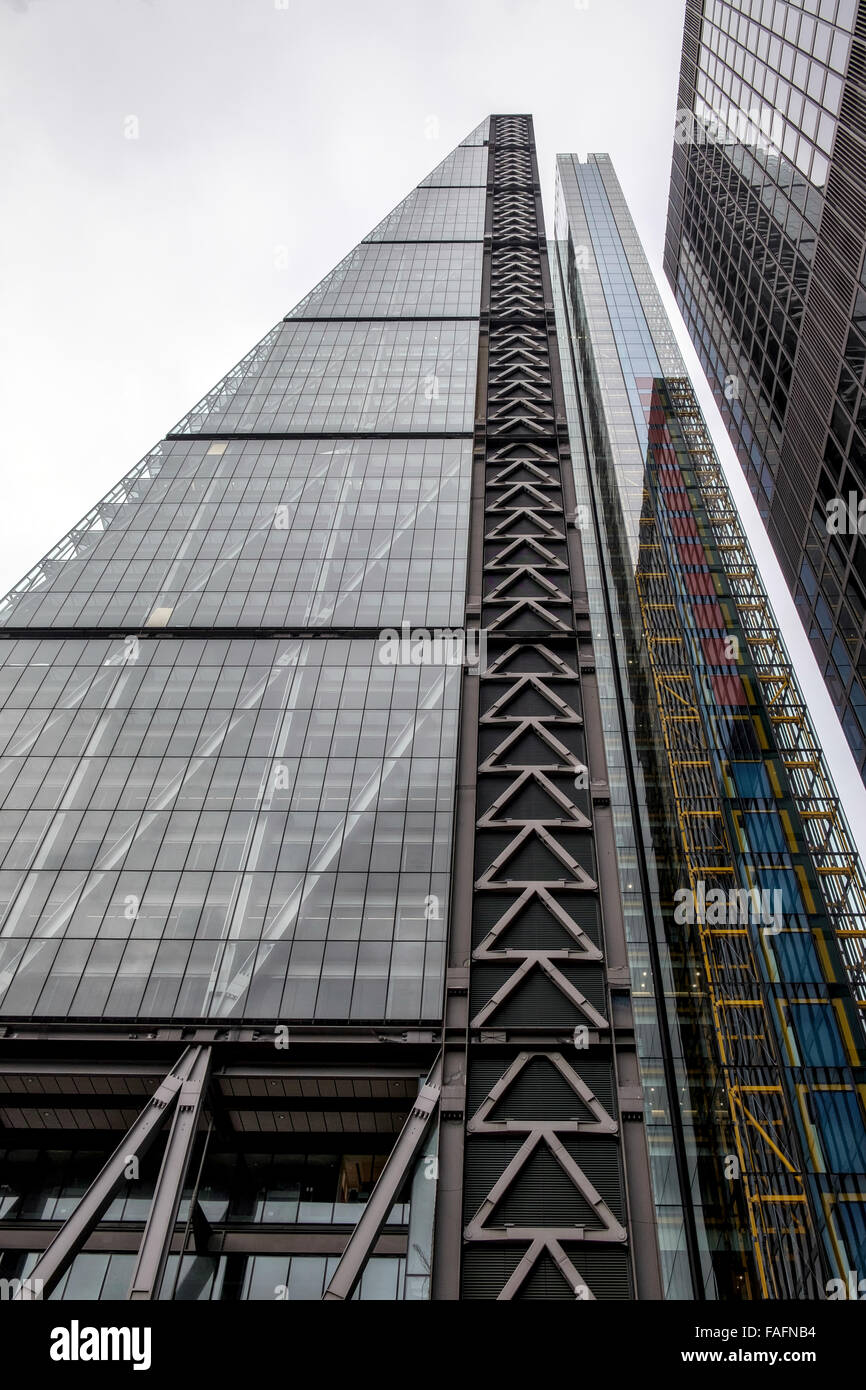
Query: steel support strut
(391,1179)
(70,1239)
(156,1241)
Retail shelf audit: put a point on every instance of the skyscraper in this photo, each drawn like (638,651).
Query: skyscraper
(720,789)
(765,252)
(421,877)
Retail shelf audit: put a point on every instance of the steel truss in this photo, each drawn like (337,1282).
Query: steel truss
(831,845)
(179,1097)
(541,1104)
(102,1069)
(786,1214)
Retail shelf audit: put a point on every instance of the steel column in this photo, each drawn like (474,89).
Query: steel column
(69,1240)
(156,1240)
(388,1184)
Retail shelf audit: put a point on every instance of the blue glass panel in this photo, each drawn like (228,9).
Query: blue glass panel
(750,779)
(818,1036)
(796,957)
(764,833)
(839,1118)
(784,881)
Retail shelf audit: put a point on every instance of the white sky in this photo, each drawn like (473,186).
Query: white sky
(272,136)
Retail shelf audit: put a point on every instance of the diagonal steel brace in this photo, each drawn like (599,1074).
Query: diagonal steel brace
(69,1240)
(156,1241)
(392,1177)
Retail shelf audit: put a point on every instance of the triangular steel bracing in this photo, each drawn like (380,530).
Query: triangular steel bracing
(491,947)
(537,965)
(529,1261)
(512,756)
(600,1122)
(608,1229)
(497,817)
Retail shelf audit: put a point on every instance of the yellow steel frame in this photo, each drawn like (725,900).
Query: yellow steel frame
(782,1232)
(831,845)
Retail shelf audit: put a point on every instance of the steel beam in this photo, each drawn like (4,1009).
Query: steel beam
(387,1186)
(69,1240)
(156,1240)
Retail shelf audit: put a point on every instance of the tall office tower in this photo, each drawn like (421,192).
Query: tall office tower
(369,755)
(721,803)
(765,251)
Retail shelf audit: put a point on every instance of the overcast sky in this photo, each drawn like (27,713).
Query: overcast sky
(269,137)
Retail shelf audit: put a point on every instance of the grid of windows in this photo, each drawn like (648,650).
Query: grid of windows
(467,165)
(749,241)
(201,1278)
(479,136)
(225,798)
(223,828)
(765,270)
(309,532)
(619,300)
(430,214)
(765,59)
(609,646)
(607,300)
(403,280)
(624,347)
(259,828)
(346,376)
(237,1187)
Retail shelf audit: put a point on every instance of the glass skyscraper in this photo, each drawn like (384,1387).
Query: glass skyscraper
(765,252)
(420,875)
(721,790)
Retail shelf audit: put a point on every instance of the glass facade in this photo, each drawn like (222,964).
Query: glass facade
(234,533)
(765,252)
(197,1278)
(751,1009)
(226,809)
(309,915)
(400,279)
(350,376)
(223,827)
(435,214)
(589,302)
(200,825)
